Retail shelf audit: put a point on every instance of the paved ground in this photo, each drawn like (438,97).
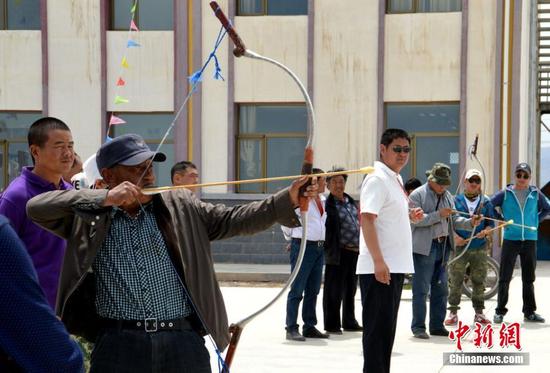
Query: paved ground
(263,347)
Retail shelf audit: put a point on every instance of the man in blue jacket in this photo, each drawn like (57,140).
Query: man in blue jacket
(525,205)
(32,339)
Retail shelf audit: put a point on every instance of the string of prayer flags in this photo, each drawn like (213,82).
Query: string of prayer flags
(132,43)
(133,26)
(120,82)
(124,63)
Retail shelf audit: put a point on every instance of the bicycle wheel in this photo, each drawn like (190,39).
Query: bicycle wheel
(491,281)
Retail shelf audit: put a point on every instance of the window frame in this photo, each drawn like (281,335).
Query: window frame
(414,136)
(112,15)
(263,138)
(264,13)
(4,21)
(415,9)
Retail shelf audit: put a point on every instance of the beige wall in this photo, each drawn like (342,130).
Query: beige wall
(283,38)
(481,84)
(214,106)
(345,78)
(150,76)
(74,91)
(21,71)
(422,57)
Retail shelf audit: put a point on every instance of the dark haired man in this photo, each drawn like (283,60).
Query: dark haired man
(185,173)
(385,253)
(51,147)
(138,274)
(525,204)
(341,252)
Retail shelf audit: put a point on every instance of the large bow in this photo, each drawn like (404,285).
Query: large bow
(307,166)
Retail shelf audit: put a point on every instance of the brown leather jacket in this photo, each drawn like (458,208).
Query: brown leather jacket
(188,226)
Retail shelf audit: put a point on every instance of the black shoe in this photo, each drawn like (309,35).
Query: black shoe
(313,333)
(421,335)
(355,328)
(294,335)
(334,331)
(534,317)
(440,332)
(497,319)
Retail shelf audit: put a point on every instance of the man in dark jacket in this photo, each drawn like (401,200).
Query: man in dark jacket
(341,252)
(138,268)
(31,337)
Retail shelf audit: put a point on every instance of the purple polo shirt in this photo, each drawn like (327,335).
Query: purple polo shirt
(45,248)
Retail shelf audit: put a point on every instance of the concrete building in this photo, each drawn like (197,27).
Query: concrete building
(444,70)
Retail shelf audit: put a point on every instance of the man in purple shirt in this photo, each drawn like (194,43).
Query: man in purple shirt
(51,148)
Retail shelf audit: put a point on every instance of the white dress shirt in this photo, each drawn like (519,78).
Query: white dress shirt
(315,223)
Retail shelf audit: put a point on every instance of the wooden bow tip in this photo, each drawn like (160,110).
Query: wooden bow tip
(367,170)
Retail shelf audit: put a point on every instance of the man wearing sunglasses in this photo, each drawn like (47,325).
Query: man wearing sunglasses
(524,204)
(470,202)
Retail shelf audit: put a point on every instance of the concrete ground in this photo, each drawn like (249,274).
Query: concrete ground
(263,347)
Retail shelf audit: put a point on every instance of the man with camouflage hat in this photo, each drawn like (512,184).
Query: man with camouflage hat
(470,202)
(432,241)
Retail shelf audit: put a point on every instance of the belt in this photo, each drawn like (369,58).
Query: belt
(150,325)
(316,243)
(440,239)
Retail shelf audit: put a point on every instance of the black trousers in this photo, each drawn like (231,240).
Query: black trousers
(339,291)
(527,251)
(380,308)
(135,351)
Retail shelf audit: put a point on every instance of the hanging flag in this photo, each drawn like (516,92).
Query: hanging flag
(108,139)
(124,63)
(116,120)
(133,10)
(120,100)
(120,82)
(133,26)
(131,44)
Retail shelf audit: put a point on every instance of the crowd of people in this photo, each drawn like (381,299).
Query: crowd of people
(133,273)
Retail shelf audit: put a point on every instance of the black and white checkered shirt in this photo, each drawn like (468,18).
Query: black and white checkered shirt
(349,223)
(135,278)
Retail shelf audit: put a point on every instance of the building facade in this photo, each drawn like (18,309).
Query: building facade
(444,70)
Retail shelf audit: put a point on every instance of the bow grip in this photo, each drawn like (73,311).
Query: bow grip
(235,331)
(307,168)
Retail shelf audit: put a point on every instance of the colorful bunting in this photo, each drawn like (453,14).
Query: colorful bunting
(133,26)
(120,100)
(124,63)
(120,82)
(131,44)
(116,120)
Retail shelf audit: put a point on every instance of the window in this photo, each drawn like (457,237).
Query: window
(19,14)
(435,131)
(423,6)
(271,7)
(152,127)
(149,15)
(270,142)
(14,149)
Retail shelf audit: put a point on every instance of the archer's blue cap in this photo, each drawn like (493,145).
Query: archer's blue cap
(127,150)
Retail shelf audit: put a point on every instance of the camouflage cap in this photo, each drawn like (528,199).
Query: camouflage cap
(440,174)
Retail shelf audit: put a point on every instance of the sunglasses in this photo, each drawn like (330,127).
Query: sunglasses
(474,180)
(521,175)
(399,149)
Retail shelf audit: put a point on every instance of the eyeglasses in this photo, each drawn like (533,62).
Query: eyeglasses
(522,175)
(474,180)
(399,149)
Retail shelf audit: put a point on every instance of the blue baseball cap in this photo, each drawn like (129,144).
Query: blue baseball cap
(127,150)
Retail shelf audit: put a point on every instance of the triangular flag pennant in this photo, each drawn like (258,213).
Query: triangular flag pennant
(120,82)
(133,26)
(133,10)
(196,77)
(131,44)
(116,120)
(120,100)
(108,139)
(124,63)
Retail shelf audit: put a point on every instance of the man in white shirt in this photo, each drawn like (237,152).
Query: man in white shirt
(308,281)
(385,250)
